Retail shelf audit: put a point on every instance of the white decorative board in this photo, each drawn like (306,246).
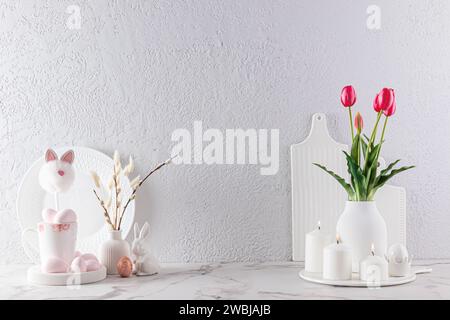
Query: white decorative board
(316,196)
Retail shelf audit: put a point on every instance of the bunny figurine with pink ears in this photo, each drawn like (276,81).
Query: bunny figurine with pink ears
(145,264)
(57,232)
(57,175)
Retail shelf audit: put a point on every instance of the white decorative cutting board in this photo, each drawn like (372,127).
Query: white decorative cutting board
(316,196)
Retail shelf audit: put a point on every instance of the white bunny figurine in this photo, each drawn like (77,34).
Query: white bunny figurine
(145,263)
(57,175)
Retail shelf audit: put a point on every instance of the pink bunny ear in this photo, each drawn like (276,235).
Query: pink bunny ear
(68,156)
(50,155)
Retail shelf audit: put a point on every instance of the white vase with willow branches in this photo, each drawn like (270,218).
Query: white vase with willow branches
(114,209)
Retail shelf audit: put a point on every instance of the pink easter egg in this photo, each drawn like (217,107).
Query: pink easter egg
(92,265)
(48,215)
(54,265)
(65,216)
(89,256)
(78,265)
(125,267)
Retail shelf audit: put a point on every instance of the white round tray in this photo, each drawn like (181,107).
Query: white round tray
(36,276)
(355,281)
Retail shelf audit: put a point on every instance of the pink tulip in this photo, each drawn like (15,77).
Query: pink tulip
(348,96)
(384,99)
(376,106)
(359,123)
(391,110)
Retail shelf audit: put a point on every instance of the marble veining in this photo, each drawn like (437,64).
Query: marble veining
(275,280)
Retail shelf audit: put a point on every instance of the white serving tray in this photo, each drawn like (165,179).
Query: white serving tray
(36,276)
(356,282)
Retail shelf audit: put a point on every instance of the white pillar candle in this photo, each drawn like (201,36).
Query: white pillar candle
(315,241)
(373,268)
(337,261)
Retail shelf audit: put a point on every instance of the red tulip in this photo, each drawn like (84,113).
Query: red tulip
(359,123)
(376,106)
(391,110)
(348,96)
(384,99)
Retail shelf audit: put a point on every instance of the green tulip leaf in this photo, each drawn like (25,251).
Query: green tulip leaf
(366,137)
(389,167)
(358,178)
(382,179)
(355,151)
(339,179)
(364,148)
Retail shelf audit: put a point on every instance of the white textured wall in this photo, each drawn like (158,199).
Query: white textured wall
(137,70)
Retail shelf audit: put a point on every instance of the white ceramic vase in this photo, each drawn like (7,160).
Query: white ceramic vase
(112,250)
(360,226)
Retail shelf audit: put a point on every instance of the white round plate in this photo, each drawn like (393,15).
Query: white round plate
(355,282)
(36,276)
(92,228)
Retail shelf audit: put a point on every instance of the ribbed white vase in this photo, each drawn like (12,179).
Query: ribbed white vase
(112,250)
(360,226)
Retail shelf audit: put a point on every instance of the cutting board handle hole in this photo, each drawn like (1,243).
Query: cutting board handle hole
(319,116)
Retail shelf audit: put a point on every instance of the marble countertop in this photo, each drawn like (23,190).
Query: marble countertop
(225,281)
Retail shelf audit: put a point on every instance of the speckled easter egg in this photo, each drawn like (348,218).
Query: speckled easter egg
(125,267)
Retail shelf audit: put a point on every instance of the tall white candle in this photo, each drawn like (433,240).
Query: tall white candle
(337,261)
(315,241)
(373,268)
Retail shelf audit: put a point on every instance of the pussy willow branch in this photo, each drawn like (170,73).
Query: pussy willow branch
(105,211)
(116,211)
(133,194)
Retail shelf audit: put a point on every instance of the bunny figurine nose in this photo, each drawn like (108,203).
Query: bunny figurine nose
(60,172)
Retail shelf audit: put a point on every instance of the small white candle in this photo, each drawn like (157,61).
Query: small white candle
(337,261)
(373,268)
(315,241)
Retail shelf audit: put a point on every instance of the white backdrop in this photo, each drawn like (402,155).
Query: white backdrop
(136,70)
